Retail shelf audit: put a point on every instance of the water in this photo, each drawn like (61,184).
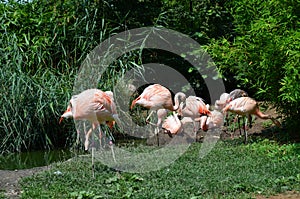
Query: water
(27,160)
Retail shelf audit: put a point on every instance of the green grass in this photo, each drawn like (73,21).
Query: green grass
(230,170)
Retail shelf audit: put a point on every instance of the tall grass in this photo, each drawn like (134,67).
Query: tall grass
(38,65)
(30,105)
(43,46)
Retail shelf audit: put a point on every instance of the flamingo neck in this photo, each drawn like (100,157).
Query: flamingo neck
(179,97)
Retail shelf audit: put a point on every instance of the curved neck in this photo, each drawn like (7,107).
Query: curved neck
(179,97)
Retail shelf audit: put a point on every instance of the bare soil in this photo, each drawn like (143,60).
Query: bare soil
(9,180)
(286,195)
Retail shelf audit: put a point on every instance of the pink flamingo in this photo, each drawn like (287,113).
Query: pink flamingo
(155,97)
(246,106)
(96,106)
(193,108)
(93,105)
(172,125)
(225,98)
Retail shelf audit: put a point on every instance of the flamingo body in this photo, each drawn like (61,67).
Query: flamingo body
(92,105)
(247,106)
(194,108)
(172,125)
(156,97)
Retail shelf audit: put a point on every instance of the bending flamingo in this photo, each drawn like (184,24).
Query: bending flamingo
(194,107)
(155,97)
(172,125)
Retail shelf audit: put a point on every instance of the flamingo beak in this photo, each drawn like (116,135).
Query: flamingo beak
(67,114)
(60,120)
(166,131)
(179,117)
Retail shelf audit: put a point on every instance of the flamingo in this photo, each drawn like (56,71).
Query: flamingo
(236,93)
(172,125)
(194,108)
(96,106)
(246,106)
(225,98)
(93,105)
(155,97)
(220,104)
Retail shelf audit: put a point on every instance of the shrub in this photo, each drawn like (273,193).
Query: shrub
(264,55)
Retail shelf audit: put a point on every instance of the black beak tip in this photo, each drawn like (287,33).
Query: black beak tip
(168,132)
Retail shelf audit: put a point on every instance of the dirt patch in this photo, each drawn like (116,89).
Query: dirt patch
(286,195)
(9,180)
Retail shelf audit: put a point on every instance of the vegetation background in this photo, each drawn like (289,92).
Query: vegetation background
(255,44)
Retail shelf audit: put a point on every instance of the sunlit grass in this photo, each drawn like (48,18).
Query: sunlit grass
(230,170)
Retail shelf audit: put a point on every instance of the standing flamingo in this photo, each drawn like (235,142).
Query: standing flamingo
(96,106)
(225,98)
(93,105)
(194,107)
(155,97)
(247,106)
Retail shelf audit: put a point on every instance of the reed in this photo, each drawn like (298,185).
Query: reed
(43,47)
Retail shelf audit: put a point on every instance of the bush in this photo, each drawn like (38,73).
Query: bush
(264,55)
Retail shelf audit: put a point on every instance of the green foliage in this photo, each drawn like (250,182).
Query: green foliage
(228,171)
(37,70)
(264,54)
(30,105)
(274,150)
(201,19)
(44,44)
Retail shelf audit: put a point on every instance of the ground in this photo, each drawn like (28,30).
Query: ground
(9,179)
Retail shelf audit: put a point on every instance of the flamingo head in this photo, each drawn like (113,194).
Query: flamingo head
(67,114)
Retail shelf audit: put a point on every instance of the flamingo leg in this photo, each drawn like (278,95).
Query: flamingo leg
(245,131)
(100,136)
(239,125)
(113,152)
(111,145)
(197,124)
(93,161)
(87,136)
(147,119)
(226,122)
(234,127)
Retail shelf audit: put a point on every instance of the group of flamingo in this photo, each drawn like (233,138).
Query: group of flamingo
(99,107)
